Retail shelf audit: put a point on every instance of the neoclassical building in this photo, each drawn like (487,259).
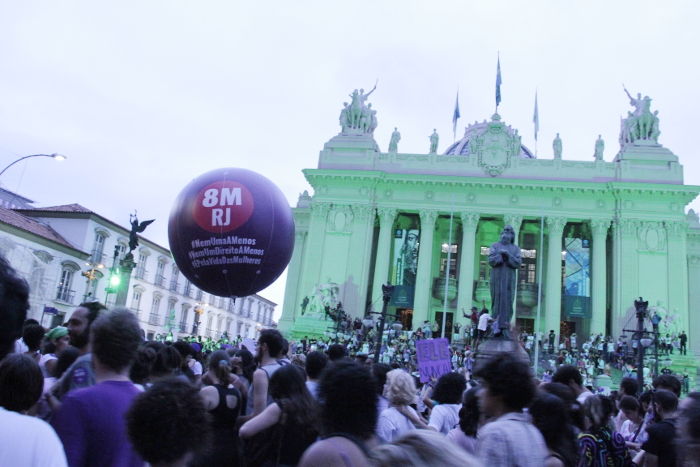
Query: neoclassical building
(613,230)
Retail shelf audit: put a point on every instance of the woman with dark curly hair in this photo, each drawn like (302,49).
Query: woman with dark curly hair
(550,416)
(294,411)
(598,445)
(348,417)
(168,423)
(469,416)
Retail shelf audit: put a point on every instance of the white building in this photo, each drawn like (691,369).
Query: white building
(66,252)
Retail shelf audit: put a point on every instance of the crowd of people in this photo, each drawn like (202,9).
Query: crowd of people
(94,393)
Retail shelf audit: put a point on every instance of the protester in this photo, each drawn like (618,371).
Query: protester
(669,383)
(270,344)
(633,429)
(56,341)
(421,449)
(168,425)
(223,401)
(168,364)
(291,419)
(14,303)
(448,395)
(80,374)
(660,447)
(348,417)
(598,444)
(33,336)
(689,431)
(469,418)
(400,391)
(142,369)
(379,372)
(90,422)
(315,364)
(550,416)
(570,375)
(508,438)
(243,366)
(25,440)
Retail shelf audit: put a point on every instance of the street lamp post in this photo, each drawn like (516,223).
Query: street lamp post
(56,156)
(643,339)
(387,291)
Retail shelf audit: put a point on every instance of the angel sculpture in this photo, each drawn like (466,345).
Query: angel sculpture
(136,228)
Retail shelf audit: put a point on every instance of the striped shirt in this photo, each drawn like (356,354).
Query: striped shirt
(510,441)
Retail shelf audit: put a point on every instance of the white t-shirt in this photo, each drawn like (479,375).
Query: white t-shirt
(392,424)
(444,417)
(29,442)
(484,322)
(197,368)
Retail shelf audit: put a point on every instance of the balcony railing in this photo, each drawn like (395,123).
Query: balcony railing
(154,319)
(174,286)
(160,280)
(136,311)
(64,294)
(141,273)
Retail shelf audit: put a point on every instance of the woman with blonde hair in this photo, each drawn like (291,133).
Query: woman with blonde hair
(400,391)
(422,448)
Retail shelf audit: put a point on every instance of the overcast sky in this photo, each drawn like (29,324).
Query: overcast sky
(143,96)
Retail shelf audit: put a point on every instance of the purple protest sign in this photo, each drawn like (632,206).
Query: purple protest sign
(433,358)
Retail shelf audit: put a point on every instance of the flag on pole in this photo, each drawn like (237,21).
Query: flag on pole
(456,115)
(499,81)
(536,118)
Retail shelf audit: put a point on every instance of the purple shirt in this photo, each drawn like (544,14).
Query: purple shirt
(92,428)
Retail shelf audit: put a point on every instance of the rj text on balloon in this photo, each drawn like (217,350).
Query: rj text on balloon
(216,251)
(230,240)
(198,263)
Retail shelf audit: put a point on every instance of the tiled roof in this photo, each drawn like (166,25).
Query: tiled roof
(33,226)
(65,208)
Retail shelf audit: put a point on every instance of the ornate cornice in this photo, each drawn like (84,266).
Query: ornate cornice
(555,225)
(676,229)
(514,220)
(386,216)
(320,210)
(627,227)
(362,211)
(470,220)
(600,227)
(427,218)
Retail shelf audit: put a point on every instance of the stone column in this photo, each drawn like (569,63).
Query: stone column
(599,227)
(677,232)
(421,299)
(514,221)
(313,255)
(465,289)
(292,298)
(553,279)
(127,265)
(381,264)
(693,304)
(625,272)
(358,265)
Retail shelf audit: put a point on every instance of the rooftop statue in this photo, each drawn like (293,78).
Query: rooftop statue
(136,229)
(556,145)
(394,142)
(504,259)
(599,148)
(640,125)
(434,138)
(356,117)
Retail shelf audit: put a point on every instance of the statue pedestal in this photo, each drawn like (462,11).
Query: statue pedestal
(494,346)
(645,151)
(346,143)
(126,266)
(312,324)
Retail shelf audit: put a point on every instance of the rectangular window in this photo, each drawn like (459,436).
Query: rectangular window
(453,267)
(98,247)
(136,301)
(482,270)
(485,250)
(154,305)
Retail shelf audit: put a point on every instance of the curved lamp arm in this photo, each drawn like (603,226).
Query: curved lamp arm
(58,157)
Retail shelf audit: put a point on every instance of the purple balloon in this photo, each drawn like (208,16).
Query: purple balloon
(231,232)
